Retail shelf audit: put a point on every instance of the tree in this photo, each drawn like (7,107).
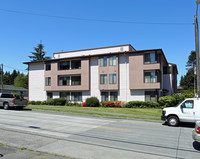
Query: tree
(191,59)
(21,81)
(39,53)
(187,81)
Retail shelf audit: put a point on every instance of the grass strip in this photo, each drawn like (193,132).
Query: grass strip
(132,111)
(94,114)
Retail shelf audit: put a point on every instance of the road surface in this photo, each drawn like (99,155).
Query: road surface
(88,137)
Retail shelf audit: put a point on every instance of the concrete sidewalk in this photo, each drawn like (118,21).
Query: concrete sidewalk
(108,113)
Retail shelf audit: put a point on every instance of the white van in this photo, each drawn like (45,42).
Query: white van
(186,111)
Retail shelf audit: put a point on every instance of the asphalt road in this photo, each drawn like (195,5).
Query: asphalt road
(94,137)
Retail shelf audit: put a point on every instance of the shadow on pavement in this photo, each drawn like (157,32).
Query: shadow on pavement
(196,146)
(1,155)
(185,125)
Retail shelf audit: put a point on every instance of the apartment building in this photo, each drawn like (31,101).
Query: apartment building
(115,73)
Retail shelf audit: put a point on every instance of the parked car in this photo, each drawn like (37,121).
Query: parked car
(196,132)
(8,100)
(186,111)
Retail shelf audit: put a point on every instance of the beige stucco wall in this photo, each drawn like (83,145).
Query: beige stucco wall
(55,72)
(137,68)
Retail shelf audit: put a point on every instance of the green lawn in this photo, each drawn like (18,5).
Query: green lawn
(133,111)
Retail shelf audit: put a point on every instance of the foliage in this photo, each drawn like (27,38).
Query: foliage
(32,102)
(117,104)
(142,104)
(16,95)
(72,104)
(167,101)
(38,103)
(39,53)
(84,104)
(187,81)
(21,81)
(92,102)
(56,101)
(191,59)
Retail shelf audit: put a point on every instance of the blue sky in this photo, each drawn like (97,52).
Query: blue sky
(19,33)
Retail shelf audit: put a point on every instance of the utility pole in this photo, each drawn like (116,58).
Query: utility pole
(1,78)
(197,48)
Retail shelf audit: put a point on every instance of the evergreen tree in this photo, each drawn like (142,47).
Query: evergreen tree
(39,53)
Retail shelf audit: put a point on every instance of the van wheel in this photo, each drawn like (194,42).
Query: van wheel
(6,106)
(173,121)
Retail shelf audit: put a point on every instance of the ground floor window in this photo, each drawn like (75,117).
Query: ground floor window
(113,96)
(104,96)
(76,96)
(109,96)
(65,95)
(49,95)
(150,96)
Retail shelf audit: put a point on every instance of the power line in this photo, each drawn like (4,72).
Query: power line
(94,20)
(14,68)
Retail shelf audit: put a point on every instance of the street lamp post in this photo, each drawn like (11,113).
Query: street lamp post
(197,48)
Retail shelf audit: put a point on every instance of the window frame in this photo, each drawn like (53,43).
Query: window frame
(62,67)
(48,66)
(103,61)
(103,78)
(112,60)
(47,81)
(151,80)
(149,60)
(113,78)
(68,79)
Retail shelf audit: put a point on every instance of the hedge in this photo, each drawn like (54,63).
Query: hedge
(141,104)
(56,101)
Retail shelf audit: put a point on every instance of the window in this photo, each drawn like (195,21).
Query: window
(112,60)
(103,61)
(103,79)
(149,58)
(7,96)
(63,80)
(188,104)
(76,96)
(64,65)
(113,96)
(167,70)
(48,66)
(150,96)
(48,81)
(75,80)
(76,64)
(112,79)
(149,77)
(104,96)
(49,95)
(65,95)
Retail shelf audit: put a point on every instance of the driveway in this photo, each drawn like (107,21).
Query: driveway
(94,137)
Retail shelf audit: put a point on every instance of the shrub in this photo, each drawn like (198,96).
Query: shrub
(142,104)
(72,104)
(44,103)
(56,101)
(117,104)
(32,102)
(179,97)
(84,104)
(38,103)
(92,102)
(167,101)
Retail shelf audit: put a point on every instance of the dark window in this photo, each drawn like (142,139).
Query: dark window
(48,66)
(104,96)
(112,61)
(64,65)
(7,96)
(167,70)
(103,61)
(149,58)
(76,96)
(103,79)
(75,80)
(113,96)
(65,95)
(149,77)
(48,81)
(150,96)
(49,95)
(64,80)
(112,79)
(189,104)
(76,64)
